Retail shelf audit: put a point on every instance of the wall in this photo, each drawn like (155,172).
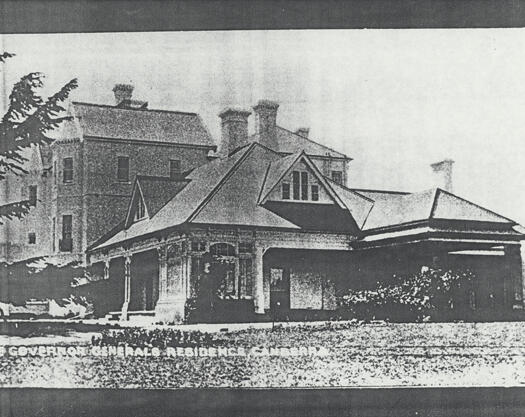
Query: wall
(106,199)
(326,166)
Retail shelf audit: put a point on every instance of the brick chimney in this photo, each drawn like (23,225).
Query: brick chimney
(266,123)
(234,130)
(303,131)
(122,92)
(443,174)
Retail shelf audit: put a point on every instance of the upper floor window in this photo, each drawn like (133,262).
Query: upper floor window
(123,168)
(285,189)
(315,192)
(337,176)
(296,184)
(31,237)
(175,169)
(304,185)
(32,195)
(198,246)
(140,209)
(67,172)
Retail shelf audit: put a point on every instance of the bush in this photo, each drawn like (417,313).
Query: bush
(429,294)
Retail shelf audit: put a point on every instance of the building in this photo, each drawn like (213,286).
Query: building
(81,183)
(286,231)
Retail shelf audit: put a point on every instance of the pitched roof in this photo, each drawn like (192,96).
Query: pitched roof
(358,205)
(395,208)
(224,191)
(290,143)
(142,124)
(157,191)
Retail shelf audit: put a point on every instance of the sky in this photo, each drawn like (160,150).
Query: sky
(393,100)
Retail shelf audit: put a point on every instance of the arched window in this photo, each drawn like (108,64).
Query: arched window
(222,249)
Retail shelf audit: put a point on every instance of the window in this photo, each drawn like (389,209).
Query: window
(123,168)
(140,209)
(32,195)
(67,174)
(315,192)
(31,237)
(66,243)
(296,184)
(175,168)
(245,278)
(304,185)
(285,191)
(337,176)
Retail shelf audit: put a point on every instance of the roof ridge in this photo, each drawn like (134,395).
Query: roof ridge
(380,191)
(476,205)
(313,141)
(349,189)
(83,103)
(215,189)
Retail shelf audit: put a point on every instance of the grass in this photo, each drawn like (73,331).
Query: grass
(424,354)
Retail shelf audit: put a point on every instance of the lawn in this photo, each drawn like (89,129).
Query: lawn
(423,354)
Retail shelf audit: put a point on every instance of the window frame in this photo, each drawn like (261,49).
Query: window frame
(304,185)
(337,173)
(314,194)
(296,185)
(31,238)
(174,174)
(121,169)
(33,194)
(67,172)
(285,191)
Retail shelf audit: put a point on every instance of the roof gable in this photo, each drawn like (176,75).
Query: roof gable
(281,171)
(451,207)
(136,202)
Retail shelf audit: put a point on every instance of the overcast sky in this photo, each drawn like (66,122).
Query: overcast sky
(394,100)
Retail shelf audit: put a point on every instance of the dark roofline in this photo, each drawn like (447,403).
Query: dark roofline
(152,142)
(158,178)
(357,190)
(109,106)
(317,143)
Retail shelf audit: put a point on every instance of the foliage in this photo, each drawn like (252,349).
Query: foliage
(414,297)
(160,338)
(28,121)
(39,280)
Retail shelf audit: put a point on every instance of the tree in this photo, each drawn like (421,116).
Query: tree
(28,121)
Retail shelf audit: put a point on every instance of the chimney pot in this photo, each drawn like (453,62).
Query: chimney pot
(234,127)
(122,92)
(303,131)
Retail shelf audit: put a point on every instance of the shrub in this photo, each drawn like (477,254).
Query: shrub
(425,295)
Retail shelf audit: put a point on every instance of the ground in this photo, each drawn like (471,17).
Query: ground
(423,354)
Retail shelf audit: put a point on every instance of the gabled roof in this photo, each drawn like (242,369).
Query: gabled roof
(280,168)
(103,121)
(358,205)
(289,142)
(396,208)
(155,193)
(225,191)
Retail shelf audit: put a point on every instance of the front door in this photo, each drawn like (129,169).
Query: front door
(279,292)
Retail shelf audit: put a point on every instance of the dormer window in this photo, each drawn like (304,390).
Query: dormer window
(140,210)
(304,185)
(315,192)
(285,190)
(296,183)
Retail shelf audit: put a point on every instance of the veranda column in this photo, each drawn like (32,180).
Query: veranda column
(127,287)
(106,269)
(514,282)
(259,280)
